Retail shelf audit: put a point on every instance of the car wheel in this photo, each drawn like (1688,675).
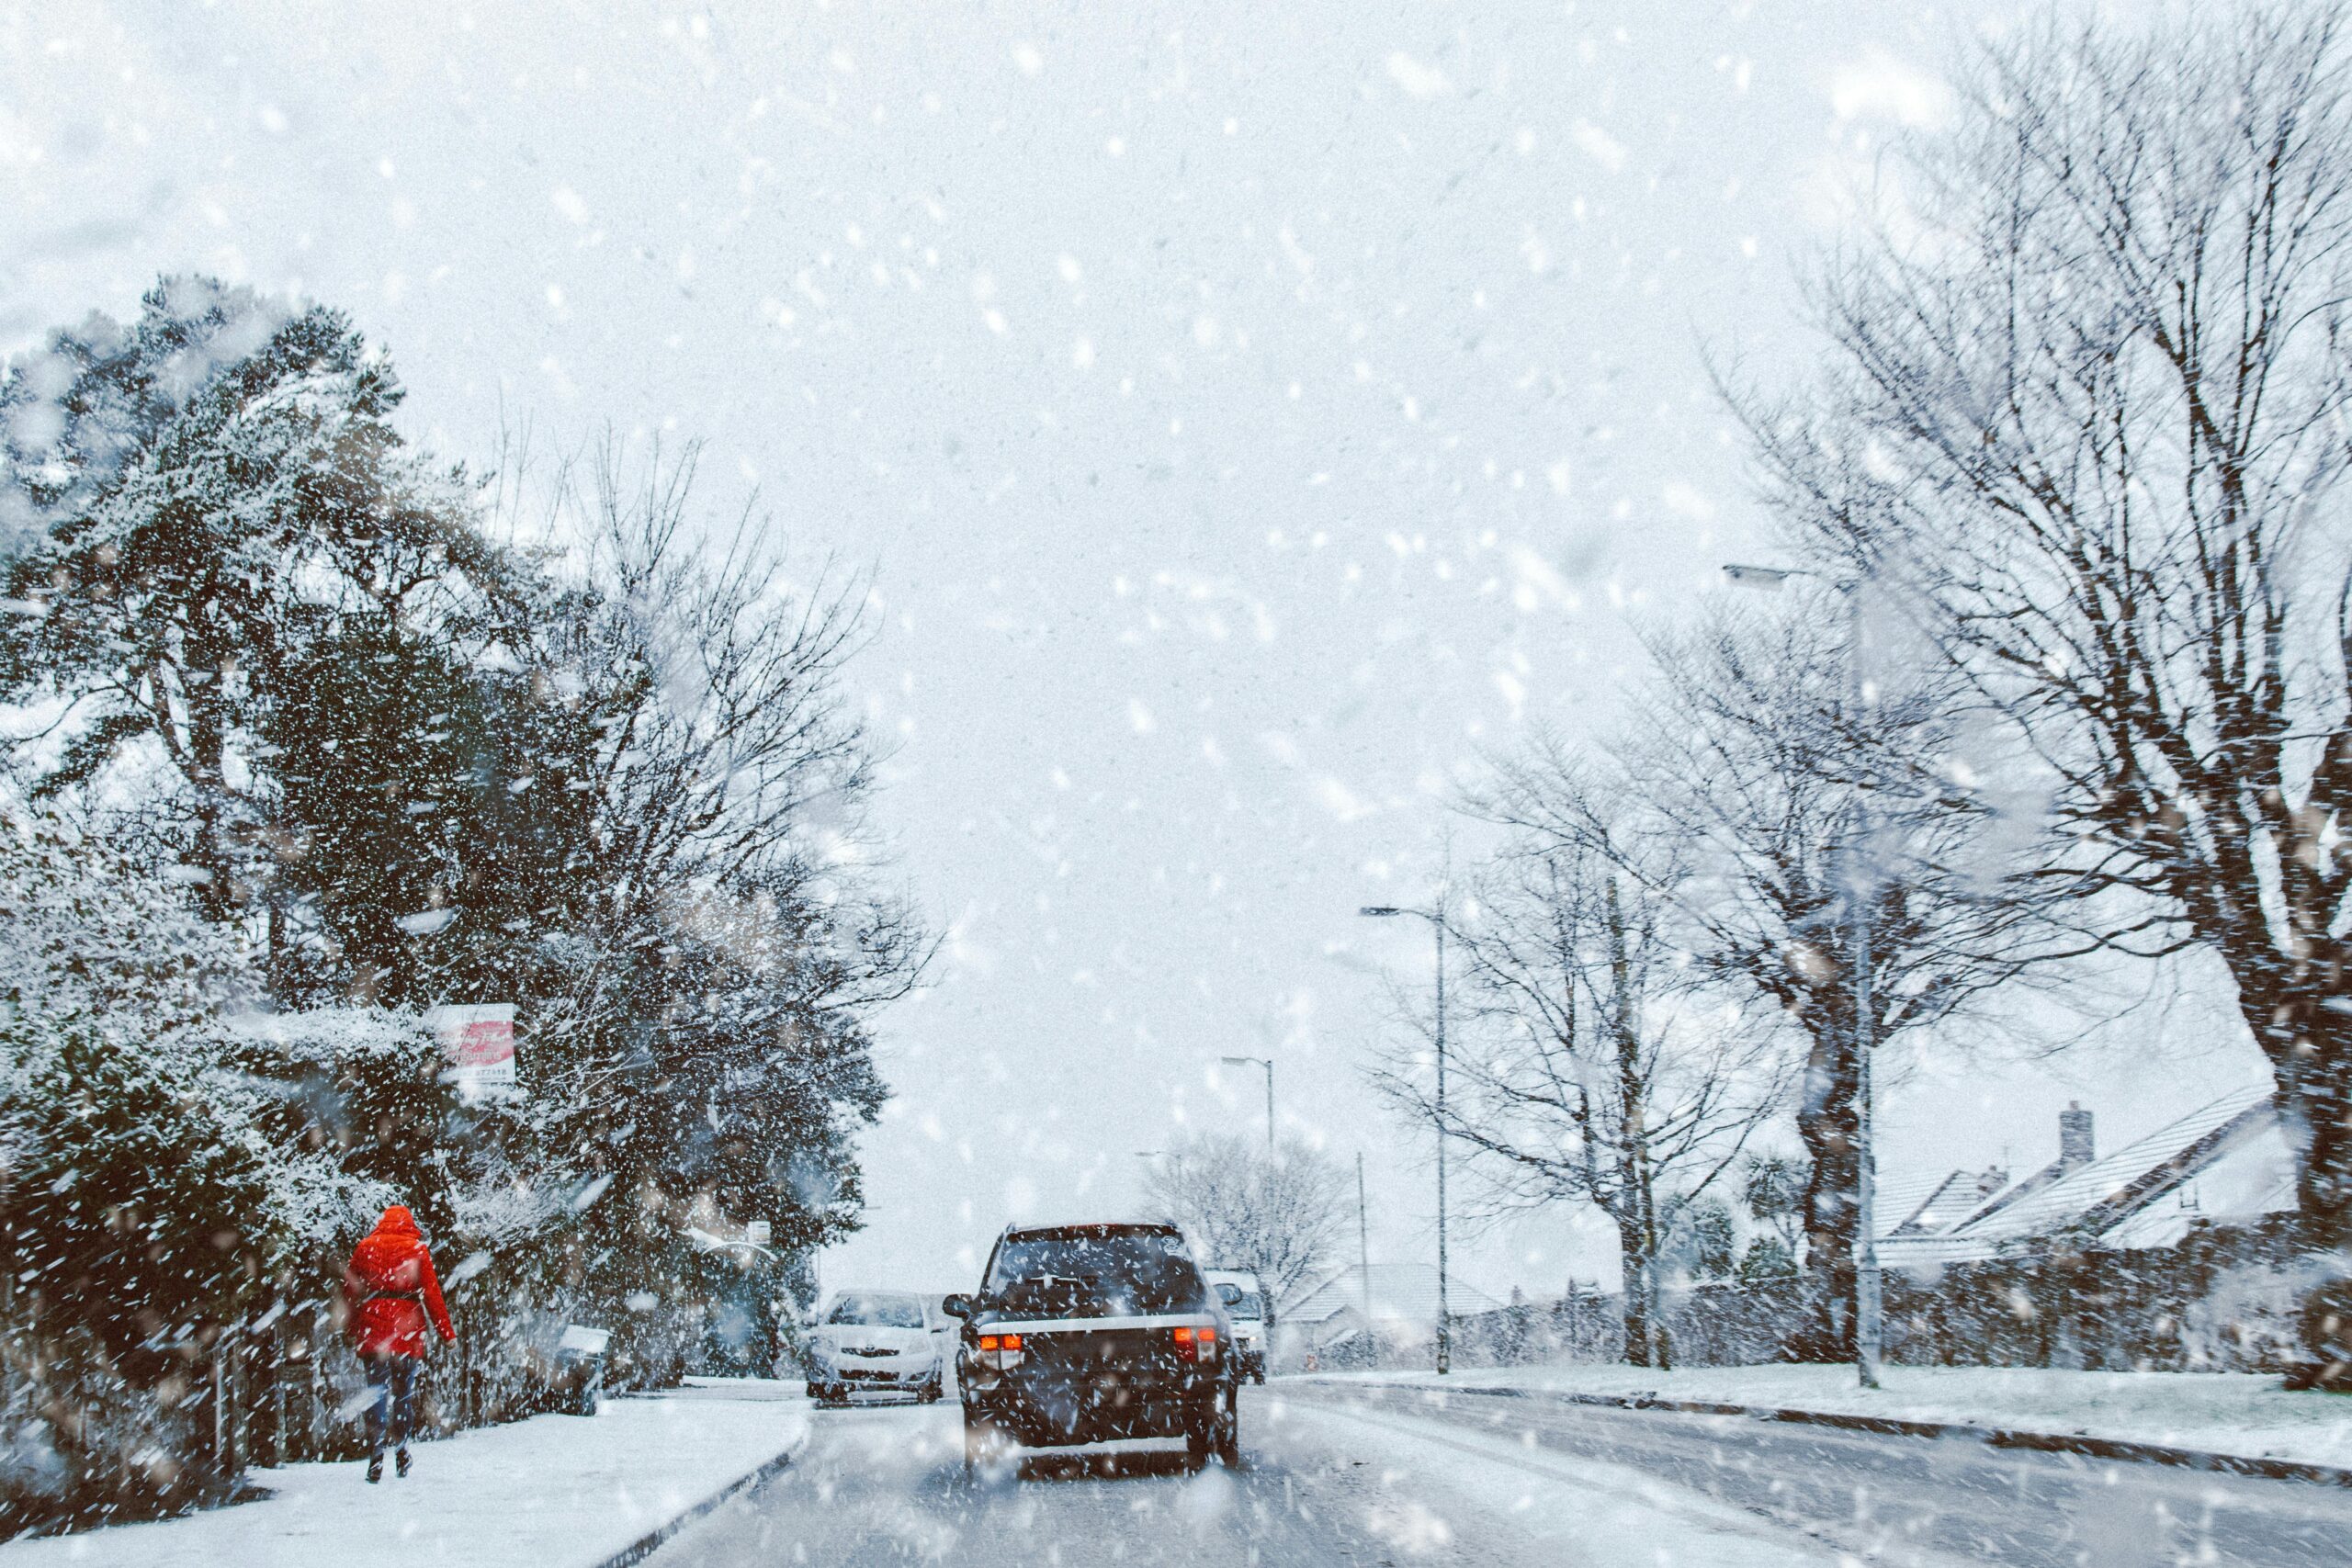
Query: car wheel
(1200,1440)
(1228,1431)
(985,1442)
(929,1393)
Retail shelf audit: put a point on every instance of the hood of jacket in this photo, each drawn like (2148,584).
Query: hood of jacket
(397,1221)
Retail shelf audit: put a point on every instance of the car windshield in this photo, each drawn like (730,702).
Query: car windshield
(1094,1272)
(878,1311)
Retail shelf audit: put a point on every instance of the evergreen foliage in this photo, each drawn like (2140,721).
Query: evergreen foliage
(316,752)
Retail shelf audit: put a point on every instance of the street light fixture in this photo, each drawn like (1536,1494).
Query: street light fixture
(1260,1062)
(1437,921)
(1867,1311)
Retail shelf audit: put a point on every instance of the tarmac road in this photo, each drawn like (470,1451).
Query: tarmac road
(1333,1475)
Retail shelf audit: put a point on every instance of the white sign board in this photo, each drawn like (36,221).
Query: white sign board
(480,1042)
(759,1233)
(586,1340)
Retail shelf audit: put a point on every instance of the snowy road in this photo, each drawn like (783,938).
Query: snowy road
(1367,1478)
(1319,1486)
(1910,1501)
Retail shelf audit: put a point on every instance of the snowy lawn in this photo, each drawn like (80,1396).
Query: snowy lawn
(2233,1413)
(552,1492)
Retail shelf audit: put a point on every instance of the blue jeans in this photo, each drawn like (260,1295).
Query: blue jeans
(391,1410)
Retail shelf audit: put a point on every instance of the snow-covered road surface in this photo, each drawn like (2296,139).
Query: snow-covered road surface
(1337,1476)
(1905,1501)
(1319,1486)
(2247,1414)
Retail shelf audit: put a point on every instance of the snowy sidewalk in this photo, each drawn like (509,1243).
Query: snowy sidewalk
(552,1492)
(2245,1415)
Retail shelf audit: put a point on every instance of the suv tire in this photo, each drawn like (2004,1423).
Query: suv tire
(1228,1430)
(985,1442)
(1200,1437)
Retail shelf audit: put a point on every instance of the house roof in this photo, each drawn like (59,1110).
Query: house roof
(2098,1199)
(1398,1293)
(1944,1205)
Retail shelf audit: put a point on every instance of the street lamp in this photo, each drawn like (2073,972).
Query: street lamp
(1363,1268)
(1260,1062)
(1437,921)
(1867,1327)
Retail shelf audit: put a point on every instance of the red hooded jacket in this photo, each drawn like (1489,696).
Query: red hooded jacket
(390,1286)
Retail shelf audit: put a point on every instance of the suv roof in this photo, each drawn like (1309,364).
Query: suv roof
(1135,1227)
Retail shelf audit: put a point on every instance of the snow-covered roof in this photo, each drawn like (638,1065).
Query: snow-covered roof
(1944,1205)
(1399,1292)
(2114,1200)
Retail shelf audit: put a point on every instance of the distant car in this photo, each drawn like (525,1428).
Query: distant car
(879,1341)
(1245,1303)
(1089,1334)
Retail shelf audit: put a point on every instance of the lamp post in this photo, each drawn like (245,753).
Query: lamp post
(1260,1062)
(1437,921)
(1363,1268)
(1867,1311)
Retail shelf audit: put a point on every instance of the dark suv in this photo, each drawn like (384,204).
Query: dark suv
(1085,1333)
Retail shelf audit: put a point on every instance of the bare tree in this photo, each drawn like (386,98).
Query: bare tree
(2086,398)
(1755,760)
(1279,1216)
(1588,1068)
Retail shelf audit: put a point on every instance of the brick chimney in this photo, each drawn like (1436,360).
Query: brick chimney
(2075,1148)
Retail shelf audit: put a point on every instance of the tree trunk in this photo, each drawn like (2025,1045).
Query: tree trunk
(1639,1307)
(2309,1041)
(1826,1125)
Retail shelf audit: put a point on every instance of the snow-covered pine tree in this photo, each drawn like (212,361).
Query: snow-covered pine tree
(222,487)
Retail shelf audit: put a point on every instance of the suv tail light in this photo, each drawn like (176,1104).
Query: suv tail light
(1195,1344)
(1000,1351)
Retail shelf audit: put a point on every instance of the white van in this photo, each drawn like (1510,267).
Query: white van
(1245,1303)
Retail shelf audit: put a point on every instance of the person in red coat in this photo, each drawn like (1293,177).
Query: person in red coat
(389,1289)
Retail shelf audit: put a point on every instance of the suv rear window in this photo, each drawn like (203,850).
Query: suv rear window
(1095,1272)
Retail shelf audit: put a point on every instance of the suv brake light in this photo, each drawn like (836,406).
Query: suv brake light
(1195,1344)
(1000,1351)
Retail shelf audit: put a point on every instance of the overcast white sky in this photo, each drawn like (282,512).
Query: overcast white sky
(1250,412)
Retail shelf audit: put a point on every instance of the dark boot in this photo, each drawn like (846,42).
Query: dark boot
(375,1468)
(399,1459)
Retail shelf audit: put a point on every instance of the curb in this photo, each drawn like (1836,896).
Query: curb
(652,1541)
(1886,1426)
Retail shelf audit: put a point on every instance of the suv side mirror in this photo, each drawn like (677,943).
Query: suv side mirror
(1228,1292)
(957,1306)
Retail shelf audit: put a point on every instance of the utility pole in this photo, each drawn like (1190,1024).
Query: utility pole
(1363,1267)
(1868,1301)
(1444,1311)
(1437,920)
(1261,1062)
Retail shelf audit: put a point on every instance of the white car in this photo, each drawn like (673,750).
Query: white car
(1244,1305)
(879,1341)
